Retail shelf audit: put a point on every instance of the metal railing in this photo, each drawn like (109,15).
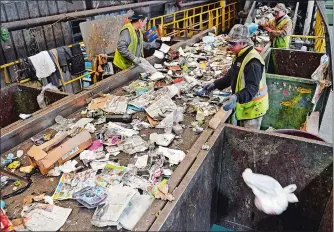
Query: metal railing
(187,22)
(7,81)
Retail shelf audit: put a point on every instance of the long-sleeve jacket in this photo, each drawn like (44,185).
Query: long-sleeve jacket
(124,41)
(253,75)
(283,30)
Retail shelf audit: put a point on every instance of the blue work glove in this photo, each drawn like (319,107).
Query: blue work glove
(209,87)
(230,102)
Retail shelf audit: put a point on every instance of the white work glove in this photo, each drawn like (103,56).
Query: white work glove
(137,60)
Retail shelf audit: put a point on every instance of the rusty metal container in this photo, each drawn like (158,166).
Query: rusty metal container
(213,190)
(17,99)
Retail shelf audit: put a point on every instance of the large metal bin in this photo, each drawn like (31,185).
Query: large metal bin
(294,63)
(17,99)
(213,191)
(290,87)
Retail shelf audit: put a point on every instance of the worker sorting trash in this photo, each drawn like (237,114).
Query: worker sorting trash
(246,77)
(146,142)
(131,44)
(279,28)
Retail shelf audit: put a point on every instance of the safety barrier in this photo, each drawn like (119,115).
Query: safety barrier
(319,34)
(185,23)
(7,80)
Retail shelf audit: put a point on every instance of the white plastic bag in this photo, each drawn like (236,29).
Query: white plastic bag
(270,197)
(40,98)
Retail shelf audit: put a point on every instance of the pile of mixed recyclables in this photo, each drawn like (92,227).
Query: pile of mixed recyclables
(262,15)
(137,132)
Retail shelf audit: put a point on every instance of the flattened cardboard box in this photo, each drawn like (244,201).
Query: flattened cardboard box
(63,149)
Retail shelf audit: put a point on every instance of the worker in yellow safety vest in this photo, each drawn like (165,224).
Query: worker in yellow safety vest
(249,99)
(131,44)
(279,28)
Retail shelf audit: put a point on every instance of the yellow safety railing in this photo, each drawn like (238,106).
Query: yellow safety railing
(319,34)
(185,23)
(7,80)
(319,30)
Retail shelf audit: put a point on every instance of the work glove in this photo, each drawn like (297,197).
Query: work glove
(209,87)
(268,29)
(230,102)
(154,44)
(137,60)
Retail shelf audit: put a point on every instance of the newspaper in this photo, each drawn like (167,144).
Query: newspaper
(161,107)
(109,213)
(44,217)
(116,105)
(111,175)
(70,183)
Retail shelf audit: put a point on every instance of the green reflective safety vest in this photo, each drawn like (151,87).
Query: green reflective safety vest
(281,42)
(259,105)
(121,61)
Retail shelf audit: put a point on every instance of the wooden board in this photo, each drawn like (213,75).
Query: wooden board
(101,35)
(220,116)
(43,8)
(33,9)
(58,34)
(39,35)
(11,11)
(50,41)
(18,40)
(22,9)
(2,13)
(67,33)
(62,7)
(53,8)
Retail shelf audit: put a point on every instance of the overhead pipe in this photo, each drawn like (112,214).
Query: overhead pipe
(29,23)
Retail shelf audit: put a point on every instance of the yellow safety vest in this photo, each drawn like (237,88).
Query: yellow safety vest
(259,105)
(278,41)
(121,61)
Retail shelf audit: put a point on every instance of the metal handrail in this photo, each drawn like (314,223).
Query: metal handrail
(187,19)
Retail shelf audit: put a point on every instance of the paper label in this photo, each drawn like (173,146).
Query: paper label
(71,152)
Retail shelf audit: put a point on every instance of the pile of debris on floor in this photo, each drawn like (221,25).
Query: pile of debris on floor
(113,125)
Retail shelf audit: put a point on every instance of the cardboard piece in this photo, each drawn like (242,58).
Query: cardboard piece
(60,149)
(99,103)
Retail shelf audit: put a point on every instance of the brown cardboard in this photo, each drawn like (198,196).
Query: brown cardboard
(99,103)
(63,149)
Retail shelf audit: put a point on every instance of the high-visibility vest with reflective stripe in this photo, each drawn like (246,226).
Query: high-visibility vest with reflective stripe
(278,41)
(259,105)
(121,61)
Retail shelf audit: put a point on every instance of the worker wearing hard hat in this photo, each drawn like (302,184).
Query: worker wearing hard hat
(131,44)
(249,99)
(279,28)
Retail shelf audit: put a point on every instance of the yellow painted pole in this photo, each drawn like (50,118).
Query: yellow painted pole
(7,81)
(319,30)
(78,78)
(308,36)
